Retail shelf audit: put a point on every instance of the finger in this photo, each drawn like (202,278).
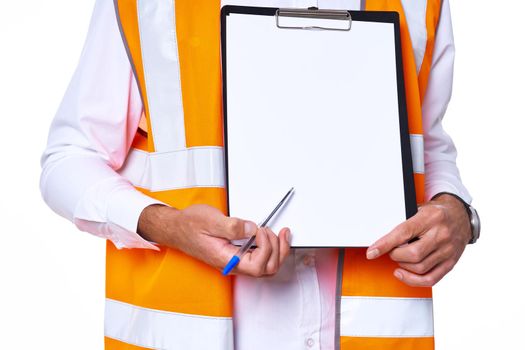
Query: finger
(427,280)
(272,266)
(254,262)
(426,265)
(400,235)
(284,244)
(414,252)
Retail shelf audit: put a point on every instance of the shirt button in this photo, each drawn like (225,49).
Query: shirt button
(310,342)
(308,260)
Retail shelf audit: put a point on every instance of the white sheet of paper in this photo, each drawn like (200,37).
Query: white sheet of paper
(316,110)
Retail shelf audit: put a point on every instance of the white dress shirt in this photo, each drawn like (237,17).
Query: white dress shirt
(92,134)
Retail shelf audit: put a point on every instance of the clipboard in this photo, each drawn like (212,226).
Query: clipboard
(315,99)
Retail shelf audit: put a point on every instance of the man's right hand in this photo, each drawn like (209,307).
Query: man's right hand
(204,233)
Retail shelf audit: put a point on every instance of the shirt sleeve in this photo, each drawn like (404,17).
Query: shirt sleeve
(90,137)
(442,174)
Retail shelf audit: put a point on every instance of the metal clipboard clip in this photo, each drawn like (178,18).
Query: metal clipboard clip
(314,13)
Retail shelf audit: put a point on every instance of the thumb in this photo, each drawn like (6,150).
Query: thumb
(249,229)
(239,229)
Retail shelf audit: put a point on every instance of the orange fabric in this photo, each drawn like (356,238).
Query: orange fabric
(374,278)
(415,122)
(183,198)
(170,280)
(357,343)
(419,181)
(140,142)
(128,17)
(112,344)
(167,280)
(200,68)
(143,123)
(432,19)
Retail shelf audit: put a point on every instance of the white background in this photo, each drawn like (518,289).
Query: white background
(52,277)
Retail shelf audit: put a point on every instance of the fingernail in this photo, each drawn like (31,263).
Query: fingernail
(398,275)
(372,254)
(288,236)
(249,228)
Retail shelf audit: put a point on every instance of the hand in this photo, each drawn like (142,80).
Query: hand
(438,234)
(204,233)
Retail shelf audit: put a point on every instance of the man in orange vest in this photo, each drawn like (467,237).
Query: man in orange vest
(139,139)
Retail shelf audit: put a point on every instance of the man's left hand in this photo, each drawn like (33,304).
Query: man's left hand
(438,234)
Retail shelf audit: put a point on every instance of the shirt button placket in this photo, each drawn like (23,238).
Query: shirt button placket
(305,261)
(309,260)
(310,343)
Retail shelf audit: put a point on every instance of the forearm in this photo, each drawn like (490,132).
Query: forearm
(86,191)
(443,176)
(90,137)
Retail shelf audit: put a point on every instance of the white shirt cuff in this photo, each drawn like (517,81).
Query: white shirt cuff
(111,209)
(123,213)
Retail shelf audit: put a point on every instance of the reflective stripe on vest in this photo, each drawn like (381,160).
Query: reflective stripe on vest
(167,299)
(161,171)
(402,315)
(157,299)
(156,329)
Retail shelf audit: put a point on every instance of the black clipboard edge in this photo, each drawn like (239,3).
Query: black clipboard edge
(364,16)
(406,150)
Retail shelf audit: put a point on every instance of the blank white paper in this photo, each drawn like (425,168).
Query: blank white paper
(316,110)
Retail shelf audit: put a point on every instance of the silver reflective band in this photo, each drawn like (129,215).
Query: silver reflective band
(416,15)
(417,147)
(160,57)
(386,317)
(162,171)
(155,329)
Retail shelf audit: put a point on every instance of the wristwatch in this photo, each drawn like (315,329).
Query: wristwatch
(475,222)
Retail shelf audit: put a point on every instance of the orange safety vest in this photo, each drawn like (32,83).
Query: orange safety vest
(168,300)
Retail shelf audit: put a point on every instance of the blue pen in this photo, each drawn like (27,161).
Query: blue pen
(246,246)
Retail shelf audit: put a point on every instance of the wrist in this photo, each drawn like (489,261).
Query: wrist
(445,197)
(468,212)
(152,225)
